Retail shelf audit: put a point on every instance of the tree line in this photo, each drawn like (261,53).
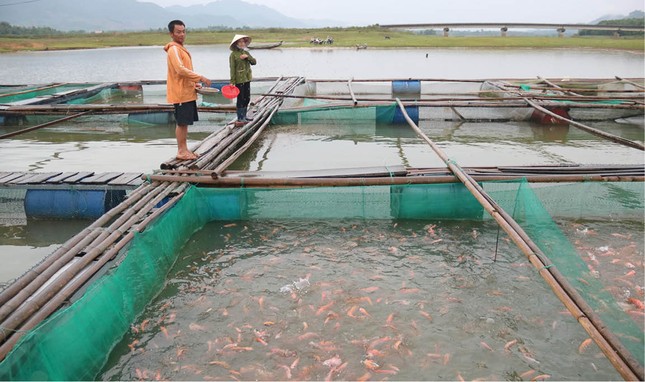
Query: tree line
(7,29)
(636,22)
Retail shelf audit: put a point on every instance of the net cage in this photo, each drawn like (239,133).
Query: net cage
(76,341)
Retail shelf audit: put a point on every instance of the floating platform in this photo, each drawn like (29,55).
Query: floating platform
(130,255)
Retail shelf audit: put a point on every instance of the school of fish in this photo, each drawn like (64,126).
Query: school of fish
(356,300)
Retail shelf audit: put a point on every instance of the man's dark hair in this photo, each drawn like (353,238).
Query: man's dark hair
(171,25)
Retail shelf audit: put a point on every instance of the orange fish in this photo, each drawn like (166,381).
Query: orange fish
(426,315)
(370,289)
(486,346)
(287,370)
(636,302)
(364,312)
(527,374)
(324,308)
(364,377)
(220,364)
(307,336)
(386,371)
(541,377)
(584,345)
(509,344)
(371,365)
(133,345)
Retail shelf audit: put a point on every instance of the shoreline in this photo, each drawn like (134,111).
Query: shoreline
(349,38)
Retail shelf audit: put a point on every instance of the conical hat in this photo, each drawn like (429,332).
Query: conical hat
(236,38)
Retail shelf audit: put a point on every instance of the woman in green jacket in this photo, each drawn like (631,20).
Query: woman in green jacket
(240,62)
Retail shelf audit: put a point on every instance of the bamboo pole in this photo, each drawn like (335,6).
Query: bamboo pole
(351,92)
(630,82)
(104,109)
(46,124)
(37,89)
(618,356)
(476,101)
(215,181)
(558,87)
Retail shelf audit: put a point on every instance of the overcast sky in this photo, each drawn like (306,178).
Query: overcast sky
(365,12)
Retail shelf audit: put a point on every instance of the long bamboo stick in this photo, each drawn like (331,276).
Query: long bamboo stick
(473,101)
(351,92)
(46,124)
(37,89)
(618,356)
(630,82)
(559,87)
(210,181)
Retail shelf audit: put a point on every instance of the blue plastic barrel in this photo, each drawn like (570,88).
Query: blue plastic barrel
(218,85)
(399,118)
(71,204)
(406,87)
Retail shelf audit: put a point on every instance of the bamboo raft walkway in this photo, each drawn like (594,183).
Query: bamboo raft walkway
(34,296)
(74,179)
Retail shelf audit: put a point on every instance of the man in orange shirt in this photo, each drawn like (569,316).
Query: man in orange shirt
(181,86)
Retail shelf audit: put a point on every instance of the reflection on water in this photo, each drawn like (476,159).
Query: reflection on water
(405,300)
(337,144)
(23,245)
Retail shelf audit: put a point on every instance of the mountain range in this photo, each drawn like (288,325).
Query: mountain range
(129,15)
(117,15)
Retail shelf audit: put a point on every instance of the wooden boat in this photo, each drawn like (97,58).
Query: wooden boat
(269,45)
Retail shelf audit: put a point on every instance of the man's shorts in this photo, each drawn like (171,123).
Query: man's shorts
(186,113)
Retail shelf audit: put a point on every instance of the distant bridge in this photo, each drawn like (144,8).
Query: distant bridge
(503,27)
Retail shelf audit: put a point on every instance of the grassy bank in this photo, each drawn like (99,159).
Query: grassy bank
(373,37)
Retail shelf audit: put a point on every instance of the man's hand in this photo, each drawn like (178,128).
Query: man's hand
(205,80)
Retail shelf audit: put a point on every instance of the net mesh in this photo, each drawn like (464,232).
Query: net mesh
(75,342)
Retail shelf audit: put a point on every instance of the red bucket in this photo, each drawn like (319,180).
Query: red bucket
(230,91)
